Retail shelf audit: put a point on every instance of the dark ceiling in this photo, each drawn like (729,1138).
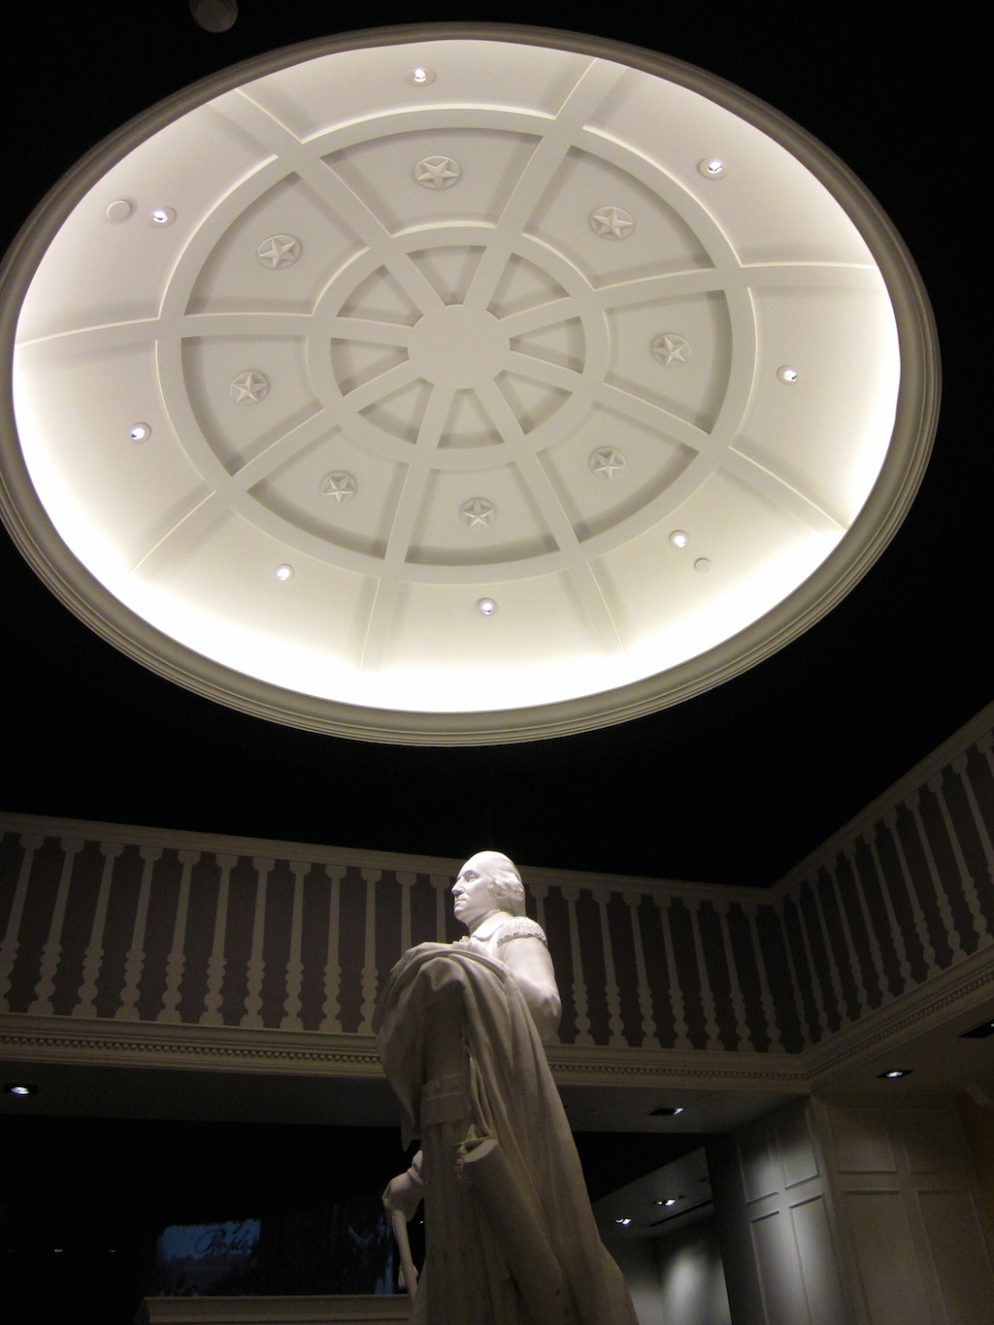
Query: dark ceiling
(734,786)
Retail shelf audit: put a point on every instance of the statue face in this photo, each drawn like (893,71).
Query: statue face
(472,892)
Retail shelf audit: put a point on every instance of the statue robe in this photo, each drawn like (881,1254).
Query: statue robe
(511,1236)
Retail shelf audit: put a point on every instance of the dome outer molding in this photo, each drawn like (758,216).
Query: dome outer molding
(870,533)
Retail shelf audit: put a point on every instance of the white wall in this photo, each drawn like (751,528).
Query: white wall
(691,1276)
(910,1212)
(676,1279)
(639,1265)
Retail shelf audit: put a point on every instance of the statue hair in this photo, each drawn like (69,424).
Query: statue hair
(507,888)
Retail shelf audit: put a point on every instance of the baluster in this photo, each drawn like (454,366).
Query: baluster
(331,1008)
(580,1003)
(681,1027)
(442,888)
(855,965)
(369,973)
(921,928)
(913,803)
(52,951)
(294,967)
(738,1001)
(11,939)
(94,955)
(406,879)
(707,997)
(216,962)
(765,994)
(256,966)
(176,961)
(849,851)
(802,1018)
(900,947)
(969,886)
(539,891)
(649,1038)
(834,974)
(615,1025)
(816,990)
(135,961)
(985,744)
(961,767)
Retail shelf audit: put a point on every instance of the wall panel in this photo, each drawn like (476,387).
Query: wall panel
(914,1222)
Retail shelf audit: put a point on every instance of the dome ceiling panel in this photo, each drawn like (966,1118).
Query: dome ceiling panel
(485,388)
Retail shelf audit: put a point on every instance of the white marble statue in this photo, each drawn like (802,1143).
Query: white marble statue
(511,1239)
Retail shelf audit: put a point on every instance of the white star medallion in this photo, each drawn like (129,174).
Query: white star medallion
(669,348)
(249,388)
(340,485)
(612,222)
(479,512)
(606,461)
(437,172)
(278,251)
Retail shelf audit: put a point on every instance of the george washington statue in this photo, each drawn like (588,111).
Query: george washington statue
(511,1239)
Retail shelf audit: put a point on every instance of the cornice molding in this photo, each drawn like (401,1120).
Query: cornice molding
(969,983)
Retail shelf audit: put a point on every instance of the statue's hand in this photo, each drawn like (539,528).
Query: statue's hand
(403,1194)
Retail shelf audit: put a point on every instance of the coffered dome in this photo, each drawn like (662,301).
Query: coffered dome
(448,388)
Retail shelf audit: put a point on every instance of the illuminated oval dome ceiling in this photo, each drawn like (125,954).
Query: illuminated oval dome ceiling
(454,388)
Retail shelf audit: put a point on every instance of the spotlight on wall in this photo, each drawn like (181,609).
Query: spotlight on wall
(19,1088)
(980,1032)
(895,1073)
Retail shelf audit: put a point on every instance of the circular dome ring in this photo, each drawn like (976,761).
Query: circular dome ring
(543,323)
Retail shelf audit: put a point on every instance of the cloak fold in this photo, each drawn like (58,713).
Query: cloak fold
(513,1180)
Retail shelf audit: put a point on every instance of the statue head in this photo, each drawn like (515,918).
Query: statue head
(487,882)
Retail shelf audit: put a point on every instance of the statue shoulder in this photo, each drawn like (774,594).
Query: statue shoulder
(519,927)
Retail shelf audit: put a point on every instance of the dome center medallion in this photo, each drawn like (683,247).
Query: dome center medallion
(457,347)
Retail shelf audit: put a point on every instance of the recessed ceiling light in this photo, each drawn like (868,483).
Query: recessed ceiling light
(140,432)
(486,606)
(420,76)
(283,572)
(625,1220)
(895,1073)
(787,374)
(666,1111)
(712,167)
(669,1201)
(980,1032)
(19,1088)
(162,216)
(679,538)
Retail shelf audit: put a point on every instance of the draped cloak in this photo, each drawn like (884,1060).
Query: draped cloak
(528,1230)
